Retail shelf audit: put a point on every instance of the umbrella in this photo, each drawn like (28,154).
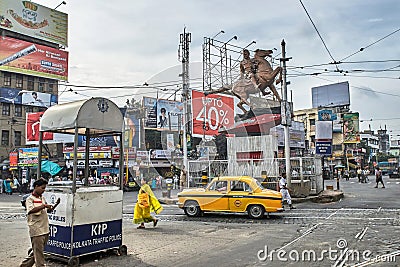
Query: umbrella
(339,166)
(50,167)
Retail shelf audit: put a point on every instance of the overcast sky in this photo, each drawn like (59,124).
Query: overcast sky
(129,42)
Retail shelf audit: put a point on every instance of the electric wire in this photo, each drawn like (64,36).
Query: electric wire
(363,48)
(315,27)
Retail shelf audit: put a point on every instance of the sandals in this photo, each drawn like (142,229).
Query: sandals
(155,222)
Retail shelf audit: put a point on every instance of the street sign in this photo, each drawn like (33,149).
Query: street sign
(323,147)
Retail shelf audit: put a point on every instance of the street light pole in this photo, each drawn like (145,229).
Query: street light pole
(185,39)
(286,115)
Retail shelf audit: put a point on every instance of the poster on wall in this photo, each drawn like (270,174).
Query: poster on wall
(34,20)
(33,59)
(210,113)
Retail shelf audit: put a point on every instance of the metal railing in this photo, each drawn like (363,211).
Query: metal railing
(267,171)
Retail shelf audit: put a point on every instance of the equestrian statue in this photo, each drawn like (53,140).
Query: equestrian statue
(256,74)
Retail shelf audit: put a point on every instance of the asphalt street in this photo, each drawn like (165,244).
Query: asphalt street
(359,230)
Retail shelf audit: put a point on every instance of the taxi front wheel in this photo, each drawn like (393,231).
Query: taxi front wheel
(256,211)
(192,208)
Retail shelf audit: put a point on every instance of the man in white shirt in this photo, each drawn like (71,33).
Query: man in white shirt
(285,191)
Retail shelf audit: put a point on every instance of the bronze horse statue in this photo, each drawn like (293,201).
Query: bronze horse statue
(262,76)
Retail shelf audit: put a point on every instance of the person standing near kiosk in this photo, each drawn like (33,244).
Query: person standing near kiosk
(38,223)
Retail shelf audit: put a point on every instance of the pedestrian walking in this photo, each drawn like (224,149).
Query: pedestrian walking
(24,186)
(379,178)
(7,186)
(146,203)
(38,224)
(17,185)
(159,181)
(1,185)
(359,175)
(285,190)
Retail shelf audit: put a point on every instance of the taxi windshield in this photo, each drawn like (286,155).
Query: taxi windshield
(259,184)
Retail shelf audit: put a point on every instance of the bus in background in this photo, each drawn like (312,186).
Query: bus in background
(387,167)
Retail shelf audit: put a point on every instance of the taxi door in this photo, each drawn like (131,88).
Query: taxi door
(239,196)
(215,197)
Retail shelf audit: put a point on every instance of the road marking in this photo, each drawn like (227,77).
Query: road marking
(341,261)
(331,215)
(309,231)
(361,234)
(303,235)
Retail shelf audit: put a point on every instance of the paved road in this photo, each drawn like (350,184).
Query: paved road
(357,231)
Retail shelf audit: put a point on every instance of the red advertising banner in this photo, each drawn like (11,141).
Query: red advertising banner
(13,159)
(33,126)
(33,59)
(211,113)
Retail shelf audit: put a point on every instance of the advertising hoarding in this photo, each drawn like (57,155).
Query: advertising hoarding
(326,115)
(162,114)
(351,133)
(331,95)
(28,156)
(13,159)
(296,135)
(131,130)
(34,20)
(323,130)
(211,113)
(42,61)
(32,132)
(12,95)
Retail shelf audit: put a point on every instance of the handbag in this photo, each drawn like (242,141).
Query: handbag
(143,200)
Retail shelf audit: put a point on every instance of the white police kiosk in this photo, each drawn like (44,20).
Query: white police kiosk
(89,218)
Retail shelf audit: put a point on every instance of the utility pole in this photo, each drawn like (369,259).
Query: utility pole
(185,39)
(286,115)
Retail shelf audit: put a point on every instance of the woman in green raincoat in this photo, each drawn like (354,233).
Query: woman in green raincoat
(146,203)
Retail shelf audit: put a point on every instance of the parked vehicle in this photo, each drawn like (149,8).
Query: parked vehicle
(231,194)
(131,185)
(395,173)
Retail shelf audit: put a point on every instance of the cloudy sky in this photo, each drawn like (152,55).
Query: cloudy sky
(127,43)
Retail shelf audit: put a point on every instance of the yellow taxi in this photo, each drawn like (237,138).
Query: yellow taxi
(231,194)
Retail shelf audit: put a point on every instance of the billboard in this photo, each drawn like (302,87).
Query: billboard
(296,135)
(162,114)
(351,132)
(28,156)
(30,98)
(32,132)
(331,95)
(211,113)
(34,20)
(326,115)
(131,130)
(323,130)
(33,59)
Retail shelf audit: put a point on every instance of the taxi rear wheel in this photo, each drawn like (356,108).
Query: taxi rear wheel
(192,208)
(256,211)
